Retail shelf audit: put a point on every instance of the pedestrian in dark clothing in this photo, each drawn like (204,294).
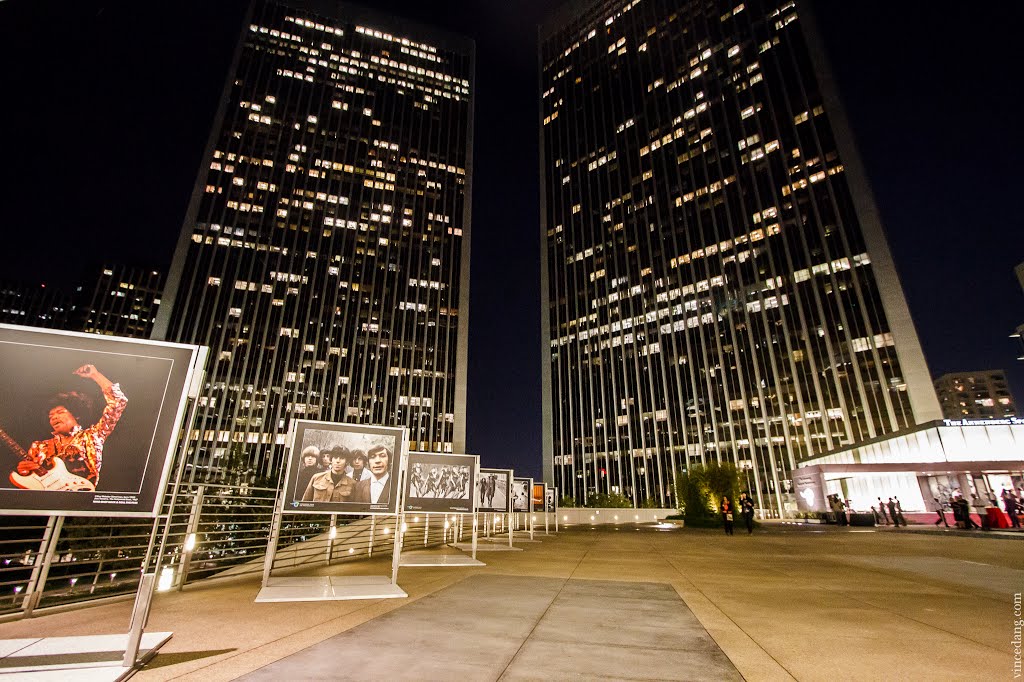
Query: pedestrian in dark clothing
(899,512)
(747,509)
(965,513)
(727,512)
(892,512)
(1012,509)
(881,508)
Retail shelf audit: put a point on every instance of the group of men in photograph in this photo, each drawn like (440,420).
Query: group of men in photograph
(338,474)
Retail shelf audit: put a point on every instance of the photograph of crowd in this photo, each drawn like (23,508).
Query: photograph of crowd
(440,483)
(521,494)
(493,490)
(343,468)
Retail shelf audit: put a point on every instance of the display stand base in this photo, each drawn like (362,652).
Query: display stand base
(435,559)
(329,588)
(95,658)
(487,547)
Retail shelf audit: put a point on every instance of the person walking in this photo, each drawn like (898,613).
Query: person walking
(942,512)
(892,512)
(727,512)
(747,509)
(881,508)
(979,508)
(1012,509)
(899,512)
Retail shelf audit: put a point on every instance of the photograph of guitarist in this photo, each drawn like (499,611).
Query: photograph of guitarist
(79,448)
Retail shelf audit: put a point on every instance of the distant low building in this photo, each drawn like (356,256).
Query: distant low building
(123,302)
(35,305)
(918,466)
(975,395)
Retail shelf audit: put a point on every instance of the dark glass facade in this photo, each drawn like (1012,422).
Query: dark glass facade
(717,286)
(324,257)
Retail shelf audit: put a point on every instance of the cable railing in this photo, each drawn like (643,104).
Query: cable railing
(212,531)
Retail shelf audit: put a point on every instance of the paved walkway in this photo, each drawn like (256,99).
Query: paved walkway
(494,627)
(786,603)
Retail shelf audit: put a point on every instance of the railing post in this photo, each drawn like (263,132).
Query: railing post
(41,568)
(373,530)
(331,534)
(190,536)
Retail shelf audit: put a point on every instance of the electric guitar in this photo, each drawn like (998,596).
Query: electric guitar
(57,478)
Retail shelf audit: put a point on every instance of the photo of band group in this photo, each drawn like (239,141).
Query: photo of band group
(341,468)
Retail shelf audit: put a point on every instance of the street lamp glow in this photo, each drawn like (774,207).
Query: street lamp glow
(190,542)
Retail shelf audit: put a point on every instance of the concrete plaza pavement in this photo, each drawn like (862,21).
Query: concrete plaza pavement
(805,603)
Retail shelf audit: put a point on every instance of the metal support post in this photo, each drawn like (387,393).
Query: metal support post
(331,534)
(41,567)
(396,554)
(275,535)
(140,617)
(190,536)
(373,531)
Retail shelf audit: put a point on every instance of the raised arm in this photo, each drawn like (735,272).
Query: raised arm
(115,399)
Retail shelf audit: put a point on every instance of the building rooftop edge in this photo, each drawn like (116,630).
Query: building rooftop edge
(347,11)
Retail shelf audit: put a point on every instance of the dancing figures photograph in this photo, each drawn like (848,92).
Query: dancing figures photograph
(442,483)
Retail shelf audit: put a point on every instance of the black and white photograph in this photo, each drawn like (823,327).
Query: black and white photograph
(339,468)
(493,490)
(550,501)
(521,494)
(437,483)
(88,423)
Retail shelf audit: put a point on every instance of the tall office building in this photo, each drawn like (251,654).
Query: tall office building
(324,257)
(123,301)
(975,395)
(717,285)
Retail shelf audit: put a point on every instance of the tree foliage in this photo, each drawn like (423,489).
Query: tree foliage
(699,490)
(609,501)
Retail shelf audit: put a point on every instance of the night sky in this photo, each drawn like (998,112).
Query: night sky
(107,107)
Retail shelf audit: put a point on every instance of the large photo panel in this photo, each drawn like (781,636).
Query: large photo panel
(522,489)
(88,423)
(337,468)
(494,491)
(438,483)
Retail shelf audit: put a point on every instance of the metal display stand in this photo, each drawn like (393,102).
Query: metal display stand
(335,587)
(100,657)
(497,542)
(430,558)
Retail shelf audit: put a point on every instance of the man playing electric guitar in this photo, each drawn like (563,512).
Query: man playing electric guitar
(79,448)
